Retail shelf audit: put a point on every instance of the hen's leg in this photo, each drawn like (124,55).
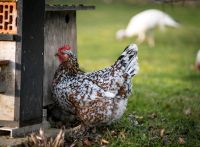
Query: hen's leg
(141,37)
(150,40)
(76,132)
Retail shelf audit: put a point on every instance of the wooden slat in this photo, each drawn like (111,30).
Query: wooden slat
(4,62)
(66,7)
(7,37)
(9,123)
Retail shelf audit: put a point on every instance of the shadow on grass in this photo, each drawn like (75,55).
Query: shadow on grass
(193,77)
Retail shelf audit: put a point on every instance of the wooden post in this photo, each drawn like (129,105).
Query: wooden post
(32,61)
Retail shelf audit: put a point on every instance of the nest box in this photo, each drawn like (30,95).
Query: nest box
(29,38)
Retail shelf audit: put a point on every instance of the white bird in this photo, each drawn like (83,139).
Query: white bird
(143,24)
(198,61)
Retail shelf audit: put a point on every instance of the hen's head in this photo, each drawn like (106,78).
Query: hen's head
(121,34)
(64,53)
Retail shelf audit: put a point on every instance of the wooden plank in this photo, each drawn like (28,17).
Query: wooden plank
(9,123)
(68,7)
(18,61)
(23,131)
(4,62)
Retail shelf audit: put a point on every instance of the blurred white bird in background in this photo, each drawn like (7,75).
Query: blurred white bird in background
(143,24)
(198,61)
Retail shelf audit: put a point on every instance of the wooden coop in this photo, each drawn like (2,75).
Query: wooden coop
(30,33)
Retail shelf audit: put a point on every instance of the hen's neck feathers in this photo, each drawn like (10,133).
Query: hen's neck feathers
(70,67)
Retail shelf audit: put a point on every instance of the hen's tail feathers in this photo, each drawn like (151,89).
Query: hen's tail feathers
(128,60)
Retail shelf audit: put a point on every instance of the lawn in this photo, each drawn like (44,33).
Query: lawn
(164,108)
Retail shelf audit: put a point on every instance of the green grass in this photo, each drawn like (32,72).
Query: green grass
(167,83)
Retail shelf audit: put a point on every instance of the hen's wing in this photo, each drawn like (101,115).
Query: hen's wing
(117,78)
(85,89)
(79,90)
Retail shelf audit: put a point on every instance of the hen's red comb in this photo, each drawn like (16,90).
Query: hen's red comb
(65,47)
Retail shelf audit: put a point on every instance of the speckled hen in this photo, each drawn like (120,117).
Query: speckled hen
(98,97)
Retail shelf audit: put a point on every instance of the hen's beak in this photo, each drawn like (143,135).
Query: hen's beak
(56,54)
